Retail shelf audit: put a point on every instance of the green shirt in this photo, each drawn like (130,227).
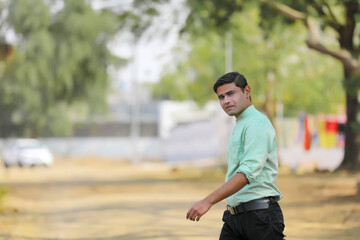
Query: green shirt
(252,150)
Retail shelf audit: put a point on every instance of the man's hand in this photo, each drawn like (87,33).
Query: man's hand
(237,182)
(198,209)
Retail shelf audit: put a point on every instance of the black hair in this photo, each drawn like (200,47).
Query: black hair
(237,78)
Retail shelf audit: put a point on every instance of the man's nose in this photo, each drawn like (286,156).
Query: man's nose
(226,99)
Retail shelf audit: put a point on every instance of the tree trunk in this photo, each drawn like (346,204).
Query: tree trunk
(351,159)
(269,104)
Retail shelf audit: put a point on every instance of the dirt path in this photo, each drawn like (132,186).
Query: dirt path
(78,199)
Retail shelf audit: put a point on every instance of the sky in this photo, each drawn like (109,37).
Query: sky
(149,58)
(153,53)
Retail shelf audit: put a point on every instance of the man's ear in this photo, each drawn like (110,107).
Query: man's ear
(247,90)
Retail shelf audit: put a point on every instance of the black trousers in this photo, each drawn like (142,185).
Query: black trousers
(265,224)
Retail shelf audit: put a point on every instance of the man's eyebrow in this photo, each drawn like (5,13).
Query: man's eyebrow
(226,93)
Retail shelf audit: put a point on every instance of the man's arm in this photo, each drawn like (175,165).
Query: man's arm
(234,184)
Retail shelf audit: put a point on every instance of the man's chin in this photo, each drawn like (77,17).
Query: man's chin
(231,114)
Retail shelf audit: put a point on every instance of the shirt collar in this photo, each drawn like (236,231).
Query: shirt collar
(246,112)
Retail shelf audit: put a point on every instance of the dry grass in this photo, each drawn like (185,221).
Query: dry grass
(102,199)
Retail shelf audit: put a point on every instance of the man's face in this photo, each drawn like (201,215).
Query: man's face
(232,99)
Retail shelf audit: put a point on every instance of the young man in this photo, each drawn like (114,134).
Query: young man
(251,195)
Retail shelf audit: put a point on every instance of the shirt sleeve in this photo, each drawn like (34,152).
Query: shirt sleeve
(255,150)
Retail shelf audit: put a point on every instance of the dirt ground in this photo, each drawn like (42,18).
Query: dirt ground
(78,199)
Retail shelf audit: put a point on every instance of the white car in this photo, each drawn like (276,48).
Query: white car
(26,152)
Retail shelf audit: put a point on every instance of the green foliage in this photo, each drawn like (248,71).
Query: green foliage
(60,63)
(191,80)
(300,74)
(214,15)
(23,22)
(316,88)
(140,16)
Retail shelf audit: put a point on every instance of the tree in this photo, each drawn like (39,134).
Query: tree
(278,66)
(337,19)
(191,78)
(59,65)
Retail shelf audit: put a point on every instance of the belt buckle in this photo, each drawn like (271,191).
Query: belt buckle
(231,210)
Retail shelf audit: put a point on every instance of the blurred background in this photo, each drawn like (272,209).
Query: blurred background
(86,77)
(131,80)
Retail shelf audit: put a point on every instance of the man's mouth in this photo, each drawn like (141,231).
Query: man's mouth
(228,107)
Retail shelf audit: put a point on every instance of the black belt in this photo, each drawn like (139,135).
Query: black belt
(257,204)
